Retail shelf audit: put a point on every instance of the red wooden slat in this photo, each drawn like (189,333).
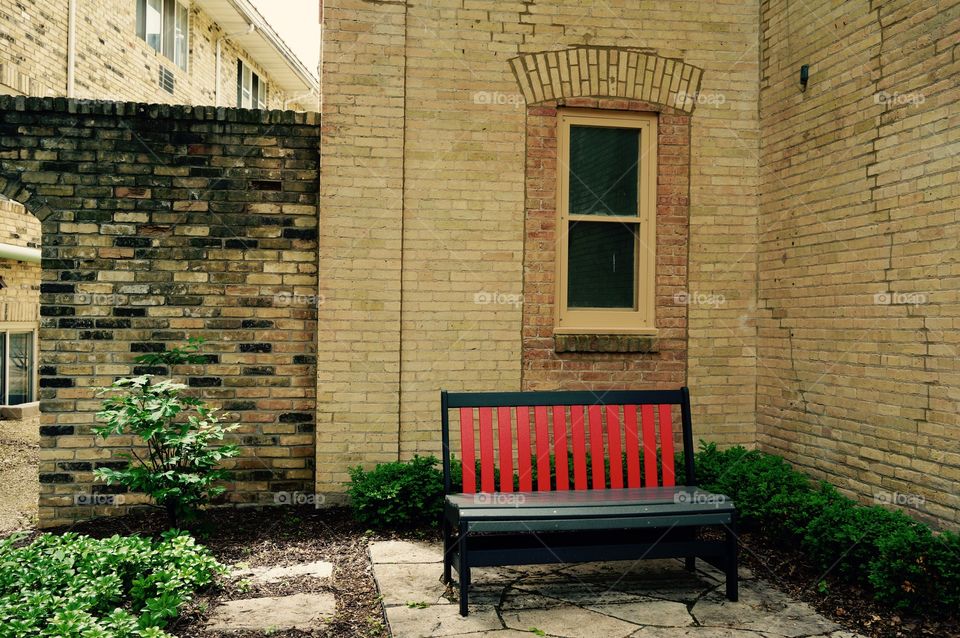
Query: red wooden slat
(468,451)
(506,448)
(560,447)
(613,446)
(543,448)
(486,450)
(596,447)
(579,447)
(666,446)
(523,449)
(649,447)
(632,440)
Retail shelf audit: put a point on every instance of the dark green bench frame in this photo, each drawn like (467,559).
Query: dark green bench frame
(498,528)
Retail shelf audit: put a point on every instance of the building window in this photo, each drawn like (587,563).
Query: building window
(165,26)
(251,89)
(606,241)
(18,371)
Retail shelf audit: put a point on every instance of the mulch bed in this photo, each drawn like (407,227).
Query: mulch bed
(847,605)
(291,535)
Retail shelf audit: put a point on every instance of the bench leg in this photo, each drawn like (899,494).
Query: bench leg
(447,551)
(732,574)
(464,571)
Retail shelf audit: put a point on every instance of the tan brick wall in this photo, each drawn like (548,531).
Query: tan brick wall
(858,366)
(20,299)
(112,62)
(424,184)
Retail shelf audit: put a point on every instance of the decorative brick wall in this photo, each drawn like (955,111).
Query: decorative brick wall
(161,223)
(599,362)
(858,370)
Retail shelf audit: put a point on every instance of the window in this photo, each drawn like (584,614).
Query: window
(164,26)
(606,242)
(17,372)
(251,89)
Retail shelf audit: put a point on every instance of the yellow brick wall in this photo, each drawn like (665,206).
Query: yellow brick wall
(858,374)
(112,62)
(20,299)
(423,185)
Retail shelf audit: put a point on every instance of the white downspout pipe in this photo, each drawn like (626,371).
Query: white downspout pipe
(20,253)
(71,48)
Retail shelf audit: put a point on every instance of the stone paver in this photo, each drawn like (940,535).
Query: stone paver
(635,599)
(282,613)
(273,574)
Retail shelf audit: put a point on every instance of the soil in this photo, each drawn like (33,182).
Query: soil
(19,483)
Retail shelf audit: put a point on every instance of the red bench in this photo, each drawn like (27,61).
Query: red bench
(622,510)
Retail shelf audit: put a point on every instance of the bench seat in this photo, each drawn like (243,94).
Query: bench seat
(588,509)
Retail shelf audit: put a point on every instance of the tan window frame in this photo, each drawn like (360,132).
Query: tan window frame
(641,318)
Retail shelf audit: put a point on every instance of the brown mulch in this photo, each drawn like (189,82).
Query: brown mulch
(845,604)
(274,536)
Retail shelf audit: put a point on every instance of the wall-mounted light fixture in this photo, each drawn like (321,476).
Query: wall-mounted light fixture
(804,76)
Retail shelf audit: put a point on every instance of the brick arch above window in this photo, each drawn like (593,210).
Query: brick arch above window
(606,72)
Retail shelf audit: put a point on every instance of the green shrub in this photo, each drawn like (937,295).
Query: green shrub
(74,586)
(900,559)
(399,495)
(181,469)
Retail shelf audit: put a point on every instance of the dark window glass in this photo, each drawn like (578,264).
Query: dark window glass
(603,170)
(602,265)
(21,369)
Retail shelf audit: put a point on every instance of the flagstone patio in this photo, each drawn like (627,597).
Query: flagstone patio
(645,599)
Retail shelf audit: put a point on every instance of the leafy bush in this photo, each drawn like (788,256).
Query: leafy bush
(904,563)
(73,586)
(180,470)
(399,494)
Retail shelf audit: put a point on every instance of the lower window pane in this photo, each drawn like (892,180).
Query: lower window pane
(601,272)
(21,369)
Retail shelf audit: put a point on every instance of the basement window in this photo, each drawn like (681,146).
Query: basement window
(18,370)
(165,26)
(251,89)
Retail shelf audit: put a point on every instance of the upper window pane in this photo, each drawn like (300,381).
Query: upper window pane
(153,23)
(181,49)
(604,169)
(20,366)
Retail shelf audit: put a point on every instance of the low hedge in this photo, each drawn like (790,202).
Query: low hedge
(900,560)
(71,586)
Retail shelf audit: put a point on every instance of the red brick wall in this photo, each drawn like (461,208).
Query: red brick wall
(666,365)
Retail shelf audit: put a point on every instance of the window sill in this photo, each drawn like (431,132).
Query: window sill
(619,343)
(19,412)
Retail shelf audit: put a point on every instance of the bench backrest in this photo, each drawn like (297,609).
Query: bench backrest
(590,427)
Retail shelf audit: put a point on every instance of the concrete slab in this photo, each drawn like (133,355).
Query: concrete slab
(304,612)
(273,574)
